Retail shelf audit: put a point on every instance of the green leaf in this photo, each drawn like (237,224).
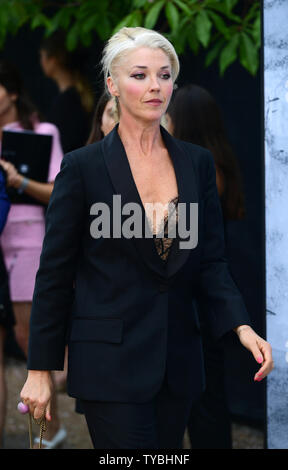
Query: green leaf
(172,15)
(219,23)
(85,10)
(124,22)
(136,19)
(153,14)
(249,56)
(185,8)
(64,17)
(90,23)
(184,20)
(193,40)
(72,37)
(138,3)
(20,12)
(180,41)
(256,31)
(60,20)
(203,27)
(222,8)
(229,54)
(213,53)
(230,4)
(219,6)
(103,28)
(253,12)
(86,38)
(39,20)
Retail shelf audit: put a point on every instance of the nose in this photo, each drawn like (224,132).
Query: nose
(154,84)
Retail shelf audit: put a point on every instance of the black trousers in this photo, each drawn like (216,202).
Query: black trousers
(157,424)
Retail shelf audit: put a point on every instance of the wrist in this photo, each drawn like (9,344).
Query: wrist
(241,328)
(21,183)
(39,373)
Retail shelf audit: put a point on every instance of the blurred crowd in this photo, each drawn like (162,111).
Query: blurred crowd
(75,119)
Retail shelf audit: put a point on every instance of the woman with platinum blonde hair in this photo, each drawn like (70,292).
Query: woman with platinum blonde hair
(131,322)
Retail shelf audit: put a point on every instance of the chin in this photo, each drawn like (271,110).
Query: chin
(152,117)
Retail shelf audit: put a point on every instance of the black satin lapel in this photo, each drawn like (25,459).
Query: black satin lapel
(122,179)
(187,192)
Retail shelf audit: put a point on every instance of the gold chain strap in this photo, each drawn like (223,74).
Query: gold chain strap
(42,423)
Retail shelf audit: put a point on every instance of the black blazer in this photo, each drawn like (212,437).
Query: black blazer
(130,316)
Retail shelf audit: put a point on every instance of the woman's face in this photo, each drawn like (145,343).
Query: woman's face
(47,63)
(143,84)
(7,101)
(108,120)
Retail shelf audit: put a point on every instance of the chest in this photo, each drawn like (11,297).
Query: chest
(155,178)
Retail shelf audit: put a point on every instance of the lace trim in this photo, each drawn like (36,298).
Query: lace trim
(163,245)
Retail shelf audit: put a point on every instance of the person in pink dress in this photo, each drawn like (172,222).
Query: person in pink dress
(6,314)
(23,234)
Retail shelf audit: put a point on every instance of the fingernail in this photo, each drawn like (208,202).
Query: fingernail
(259,359)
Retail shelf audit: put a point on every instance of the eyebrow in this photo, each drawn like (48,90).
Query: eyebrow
(145,67)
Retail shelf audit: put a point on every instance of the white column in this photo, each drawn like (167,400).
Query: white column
(276,182)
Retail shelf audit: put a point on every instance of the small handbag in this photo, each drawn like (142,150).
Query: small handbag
(24,409)
(42,423)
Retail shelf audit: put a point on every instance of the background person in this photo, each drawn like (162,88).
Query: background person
(104,119)
(7,320)
(194,116)
(72,108)
(23,234)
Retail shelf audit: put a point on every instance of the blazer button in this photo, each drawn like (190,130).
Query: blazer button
(163,288)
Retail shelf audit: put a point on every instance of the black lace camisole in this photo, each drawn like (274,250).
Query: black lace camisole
(163,245)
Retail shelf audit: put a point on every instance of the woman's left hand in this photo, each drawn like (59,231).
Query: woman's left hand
(260,349)
(14,178)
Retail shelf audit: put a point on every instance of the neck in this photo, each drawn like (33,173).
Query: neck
(142,137)
(63,79)
(8,116)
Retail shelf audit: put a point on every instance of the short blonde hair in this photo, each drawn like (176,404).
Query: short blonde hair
(127,39)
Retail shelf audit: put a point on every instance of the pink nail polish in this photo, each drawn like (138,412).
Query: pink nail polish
(259,360)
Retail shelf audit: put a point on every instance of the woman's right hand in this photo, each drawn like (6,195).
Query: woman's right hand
(37,392)
(14,178)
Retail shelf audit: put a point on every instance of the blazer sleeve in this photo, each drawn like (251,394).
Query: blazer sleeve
(226,306)
(53,292)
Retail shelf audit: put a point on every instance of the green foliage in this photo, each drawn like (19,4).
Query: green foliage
(153,14)
(212,25)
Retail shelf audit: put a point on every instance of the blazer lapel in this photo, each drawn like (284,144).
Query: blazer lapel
(187,192)
(122,179)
